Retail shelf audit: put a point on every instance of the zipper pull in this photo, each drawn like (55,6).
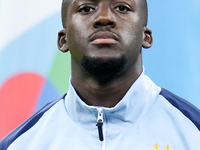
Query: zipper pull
(100,123)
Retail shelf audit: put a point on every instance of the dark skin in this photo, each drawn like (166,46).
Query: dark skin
(119,31)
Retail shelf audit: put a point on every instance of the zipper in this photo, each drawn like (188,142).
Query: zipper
(100,123)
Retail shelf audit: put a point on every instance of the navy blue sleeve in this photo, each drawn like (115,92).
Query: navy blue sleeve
(30,122)
(189,110)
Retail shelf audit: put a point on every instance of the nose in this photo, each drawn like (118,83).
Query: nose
(104,17)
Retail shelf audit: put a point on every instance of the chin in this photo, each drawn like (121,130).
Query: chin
(105,68)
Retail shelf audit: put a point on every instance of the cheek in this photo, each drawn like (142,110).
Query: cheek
(77,40)
(74,33)
(76,36)
(132,35)
(77,28)
(132,40)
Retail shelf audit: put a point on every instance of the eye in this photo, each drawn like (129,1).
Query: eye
(86,10)
(122,8)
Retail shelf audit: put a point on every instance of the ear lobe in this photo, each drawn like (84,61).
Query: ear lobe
(62,41)
(147,38)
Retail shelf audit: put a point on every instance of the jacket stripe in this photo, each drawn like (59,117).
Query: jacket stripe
(189,110)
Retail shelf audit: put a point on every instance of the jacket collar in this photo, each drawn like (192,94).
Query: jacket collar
(131,108)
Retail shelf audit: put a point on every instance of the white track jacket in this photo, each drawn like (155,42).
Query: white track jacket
(147,118)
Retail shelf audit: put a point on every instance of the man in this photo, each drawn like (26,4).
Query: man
(110,104)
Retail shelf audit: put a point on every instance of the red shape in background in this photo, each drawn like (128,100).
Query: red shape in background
(18,99)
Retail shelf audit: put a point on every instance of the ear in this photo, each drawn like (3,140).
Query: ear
(62,41)
(147,38)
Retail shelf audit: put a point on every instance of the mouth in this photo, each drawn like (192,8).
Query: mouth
(104,37)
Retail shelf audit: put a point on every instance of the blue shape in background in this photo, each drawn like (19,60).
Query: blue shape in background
(48,93)
(33,51)
(173,61)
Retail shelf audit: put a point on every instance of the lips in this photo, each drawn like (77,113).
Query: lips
(104,37)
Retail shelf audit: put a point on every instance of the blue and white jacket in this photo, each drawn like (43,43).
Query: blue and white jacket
(147,118)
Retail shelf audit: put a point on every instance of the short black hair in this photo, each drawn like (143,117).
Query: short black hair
(64,11)
(143,10)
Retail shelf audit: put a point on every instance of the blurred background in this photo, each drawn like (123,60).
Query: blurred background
(33,71)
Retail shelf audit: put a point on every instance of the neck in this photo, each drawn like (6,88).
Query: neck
(106,95)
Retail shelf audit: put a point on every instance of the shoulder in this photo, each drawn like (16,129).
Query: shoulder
(185,107)
(25,126)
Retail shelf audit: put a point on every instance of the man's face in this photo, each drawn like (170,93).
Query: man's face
(105,29)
